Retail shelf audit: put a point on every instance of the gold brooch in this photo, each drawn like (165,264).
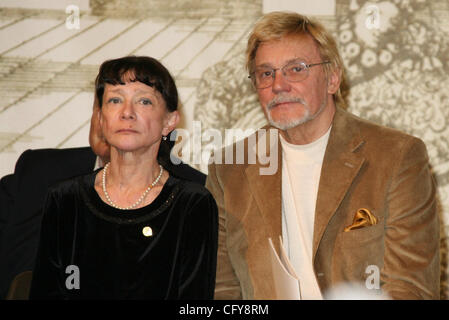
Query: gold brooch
(147,231)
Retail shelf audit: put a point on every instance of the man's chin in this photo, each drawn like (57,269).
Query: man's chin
(286,124)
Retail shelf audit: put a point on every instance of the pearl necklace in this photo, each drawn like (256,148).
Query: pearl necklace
(135,204)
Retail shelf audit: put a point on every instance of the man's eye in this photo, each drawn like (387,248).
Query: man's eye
(296,69)
(264,74)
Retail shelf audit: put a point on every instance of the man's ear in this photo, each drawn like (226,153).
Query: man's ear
(96,110)
(333,80)
(172,121)
(96,140)
(97,114)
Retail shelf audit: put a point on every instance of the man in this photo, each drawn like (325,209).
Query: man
(22,195)
(350,198)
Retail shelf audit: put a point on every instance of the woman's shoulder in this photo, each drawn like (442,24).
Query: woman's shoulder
(73,185)
(190,188)
(194,201)
(191,195)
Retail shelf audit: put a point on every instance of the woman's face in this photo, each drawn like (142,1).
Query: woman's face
(134,117)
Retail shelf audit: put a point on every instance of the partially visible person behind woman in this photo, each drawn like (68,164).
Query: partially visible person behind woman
(129,230)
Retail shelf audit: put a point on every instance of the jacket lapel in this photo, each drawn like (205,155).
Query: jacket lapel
(266,188)
(341,164)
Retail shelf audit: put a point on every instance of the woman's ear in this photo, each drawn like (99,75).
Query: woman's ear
(171,122)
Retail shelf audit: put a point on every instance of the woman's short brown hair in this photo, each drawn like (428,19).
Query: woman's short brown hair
(137,68)
(276,25)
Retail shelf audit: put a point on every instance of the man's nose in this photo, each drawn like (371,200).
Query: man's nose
(280,82)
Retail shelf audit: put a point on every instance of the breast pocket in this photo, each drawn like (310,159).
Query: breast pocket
(363,237)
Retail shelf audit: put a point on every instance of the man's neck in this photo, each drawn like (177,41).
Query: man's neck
(100,162)
(312,130)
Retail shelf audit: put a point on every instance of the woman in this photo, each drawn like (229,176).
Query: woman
(129,230)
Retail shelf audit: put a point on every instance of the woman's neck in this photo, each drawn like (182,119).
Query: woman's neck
(128,177)
(132,169)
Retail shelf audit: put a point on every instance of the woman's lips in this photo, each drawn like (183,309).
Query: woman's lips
(126,131)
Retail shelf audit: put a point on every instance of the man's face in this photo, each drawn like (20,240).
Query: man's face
(96,140)
(289,104)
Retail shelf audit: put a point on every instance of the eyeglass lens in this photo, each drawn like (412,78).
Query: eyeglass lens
(294,72)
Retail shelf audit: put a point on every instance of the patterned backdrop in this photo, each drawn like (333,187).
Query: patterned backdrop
(396,55)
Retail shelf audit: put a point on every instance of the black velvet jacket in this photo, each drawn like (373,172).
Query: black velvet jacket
(112,256)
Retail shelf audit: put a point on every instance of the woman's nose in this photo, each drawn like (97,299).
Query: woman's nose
(128,111)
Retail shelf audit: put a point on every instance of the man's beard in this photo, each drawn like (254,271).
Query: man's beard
(294,122)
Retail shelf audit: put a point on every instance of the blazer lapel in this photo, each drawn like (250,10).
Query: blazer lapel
(266,189)
(341,164)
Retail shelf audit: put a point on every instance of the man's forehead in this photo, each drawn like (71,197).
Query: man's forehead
(293,60)
(286,49)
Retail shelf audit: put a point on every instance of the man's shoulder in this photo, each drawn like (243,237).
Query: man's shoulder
(257,151)
(374,131)
(57,163)
(253,142)
(54,154)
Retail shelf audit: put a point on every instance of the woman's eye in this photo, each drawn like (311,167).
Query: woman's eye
(114,100)
(145,101)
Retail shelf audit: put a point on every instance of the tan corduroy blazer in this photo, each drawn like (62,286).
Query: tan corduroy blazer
(365,166)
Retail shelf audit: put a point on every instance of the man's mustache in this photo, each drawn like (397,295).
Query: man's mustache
(283,99)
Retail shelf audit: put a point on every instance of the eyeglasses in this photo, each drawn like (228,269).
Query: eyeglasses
(294,71)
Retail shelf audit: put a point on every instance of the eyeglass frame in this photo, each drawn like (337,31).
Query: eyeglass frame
(273,70)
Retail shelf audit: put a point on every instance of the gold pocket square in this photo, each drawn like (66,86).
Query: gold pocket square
(363,218)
